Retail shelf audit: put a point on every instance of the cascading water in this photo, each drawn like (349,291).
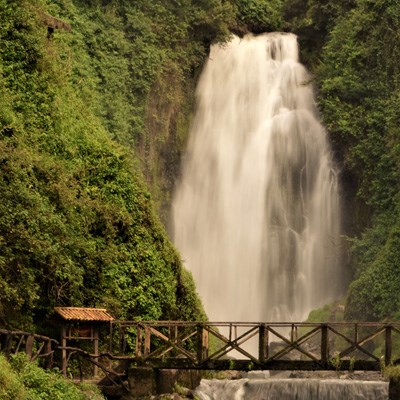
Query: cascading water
(256,214)
(291,389)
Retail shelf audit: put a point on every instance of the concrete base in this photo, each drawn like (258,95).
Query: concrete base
(168,378)
(142,383)
(145,382)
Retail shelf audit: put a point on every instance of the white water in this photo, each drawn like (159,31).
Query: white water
(291,389)
(256,214)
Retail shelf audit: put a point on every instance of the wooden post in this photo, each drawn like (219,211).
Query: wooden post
(110,343)
(388,345)
(173,333)
(49,358)
(324,344)
(29,345)
(263,343)
(95,348)
(3,341)
(139,342)
(8,343)
(147,341)
(355,333)
(202,344)
(173,336)
(64,351)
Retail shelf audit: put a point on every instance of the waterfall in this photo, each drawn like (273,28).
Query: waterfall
(291,389)
(256,213)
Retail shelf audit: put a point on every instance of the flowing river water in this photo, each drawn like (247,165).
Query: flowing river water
(291,389)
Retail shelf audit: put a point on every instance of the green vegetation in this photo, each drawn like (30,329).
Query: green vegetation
(259,16)
(93,122)
(359,80)
(328,313)
(23,380)
(392,372)
(77,223)
(352,48)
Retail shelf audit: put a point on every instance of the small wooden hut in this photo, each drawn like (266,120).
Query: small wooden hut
(78,323)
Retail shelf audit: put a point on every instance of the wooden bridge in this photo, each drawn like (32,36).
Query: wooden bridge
(231,345)
(156,345)
(256,346)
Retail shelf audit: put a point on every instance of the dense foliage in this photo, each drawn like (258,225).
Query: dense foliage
(259,16)
(94,119)
(77,225)
(22,380)
(355,58)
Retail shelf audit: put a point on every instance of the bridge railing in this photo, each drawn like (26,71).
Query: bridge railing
(247,345)
(228,345)
(35,346)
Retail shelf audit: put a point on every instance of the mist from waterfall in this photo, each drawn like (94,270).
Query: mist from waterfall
(256,214)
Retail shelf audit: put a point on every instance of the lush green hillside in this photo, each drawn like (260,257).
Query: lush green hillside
(353,48)
(360,85)
(77,224)
(95,104)
(93,120)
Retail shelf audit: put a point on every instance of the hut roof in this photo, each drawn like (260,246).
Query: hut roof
(83,314)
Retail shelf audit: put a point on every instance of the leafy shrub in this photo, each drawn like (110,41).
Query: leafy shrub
(11,388)
(23,380)
(261,15)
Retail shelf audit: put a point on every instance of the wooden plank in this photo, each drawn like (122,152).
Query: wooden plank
(173,334)
(147,341)
(262,343)
(249,365)
(324,344)
(95,333)
(202,344)
(110,343)
(8,342)
(139,342)
(388,345)
(49,355)
(64,351)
